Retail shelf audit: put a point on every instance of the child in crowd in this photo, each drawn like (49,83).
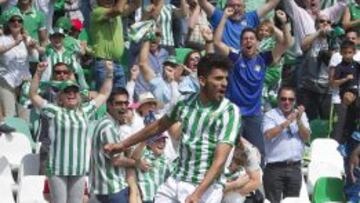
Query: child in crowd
(153,166)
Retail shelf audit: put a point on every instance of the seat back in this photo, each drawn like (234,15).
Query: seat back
(14,147)
(21,126)
(329,189)
(31,189)
(29,166)
(6,191)
(319,129)
(5,170)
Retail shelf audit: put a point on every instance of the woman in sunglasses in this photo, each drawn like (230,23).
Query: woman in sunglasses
(15,52)
(68,124)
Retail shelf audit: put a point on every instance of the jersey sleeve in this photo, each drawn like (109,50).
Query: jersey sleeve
(229,126)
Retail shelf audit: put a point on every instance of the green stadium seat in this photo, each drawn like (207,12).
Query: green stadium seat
(328,190)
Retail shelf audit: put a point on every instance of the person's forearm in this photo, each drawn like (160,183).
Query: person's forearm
(279,35)
(106,87)
(209,47)
(154,128)
(338,83)
(184,8)
(35,84)
(220,30)
(4,49)
(194,17)
(277,130)
(144,66)
(288,39)
(303,131)
(352,24)
(122,161)
(308,40)
(236,184)
(216,168)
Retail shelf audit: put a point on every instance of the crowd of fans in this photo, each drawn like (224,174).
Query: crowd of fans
(206,100)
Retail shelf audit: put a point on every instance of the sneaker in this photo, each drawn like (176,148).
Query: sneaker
(4,128)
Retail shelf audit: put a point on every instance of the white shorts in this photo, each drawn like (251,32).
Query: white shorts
(174,191)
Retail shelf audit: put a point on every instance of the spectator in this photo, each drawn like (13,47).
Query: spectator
(314,86)
(351,17)
(346,78)
(244,175)
(286,129)
(352,173)
(66,165)
(162,13)
(247,78)
(34,22)
(16,50)
(204,144)
(340,109)
(108,175)
(239,20)
(109,45)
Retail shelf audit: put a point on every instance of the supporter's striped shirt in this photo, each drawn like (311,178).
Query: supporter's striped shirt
(53,57)
(165,22)
(68,134)
(105,178)
(151,180)
(203,128)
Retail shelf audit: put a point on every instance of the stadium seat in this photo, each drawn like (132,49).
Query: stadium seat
(326,161)
(6,191)
(30,190)
(14,147)
(319,129)
(328,189)
(5,170)
(29,166)
(21,126)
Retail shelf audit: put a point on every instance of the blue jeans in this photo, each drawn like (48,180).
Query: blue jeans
(122,196)
(251,130)
(99,74)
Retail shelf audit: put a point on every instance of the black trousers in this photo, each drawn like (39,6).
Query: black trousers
(281,182)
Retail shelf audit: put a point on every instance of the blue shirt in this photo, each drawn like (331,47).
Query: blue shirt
(156,63)
(246,81)
(288,146)
(233,29)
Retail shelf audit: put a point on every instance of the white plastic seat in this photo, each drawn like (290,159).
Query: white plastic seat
(6,190)
(5,170)
(14,147)
(29,166)
(322,169)
(31,190)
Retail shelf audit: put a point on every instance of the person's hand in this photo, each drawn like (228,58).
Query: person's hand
(348,98)
(300,110)
(143,165)
(350,77)
(324,31)
(207,34)
(193,198)
(169,74)
(109,66)
(134,72)
(114,148)
(353,163)
(293,116)
(281,15)
(41,67)
(31,43)
(229,11)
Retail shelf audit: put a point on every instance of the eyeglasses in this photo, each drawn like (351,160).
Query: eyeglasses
(325,21)
(290,99)
(59,72)
(13,20)
(235,5)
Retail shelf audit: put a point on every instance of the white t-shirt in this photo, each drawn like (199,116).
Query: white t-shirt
(336,58)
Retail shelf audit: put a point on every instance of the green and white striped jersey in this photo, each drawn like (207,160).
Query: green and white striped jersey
(105,178)
(151,180)
(204,127)
(53,57)
(68,133)
(164,22)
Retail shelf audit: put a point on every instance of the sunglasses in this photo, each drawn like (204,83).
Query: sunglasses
(119,103)
(59,72)
(71,89)
(13,20)
(290,99)
(325,21)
